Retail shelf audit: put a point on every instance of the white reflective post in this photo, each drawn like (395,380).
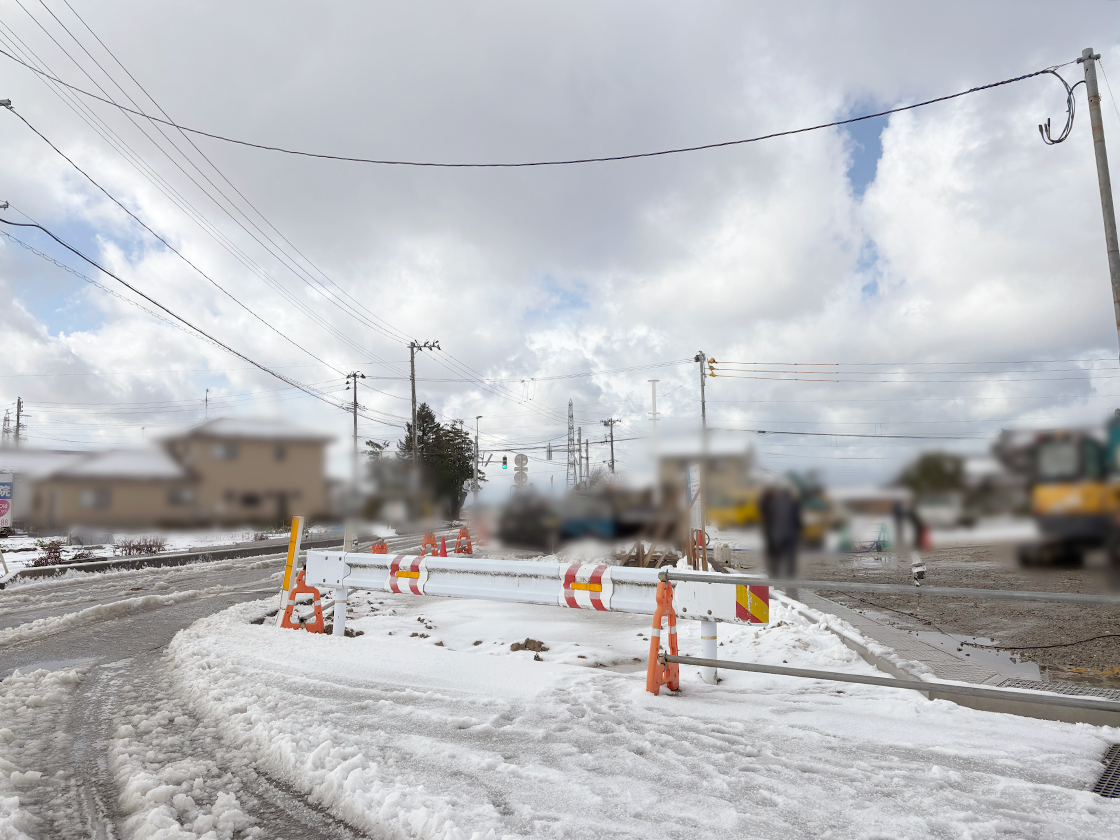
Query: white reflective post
(339,612)
(709,641)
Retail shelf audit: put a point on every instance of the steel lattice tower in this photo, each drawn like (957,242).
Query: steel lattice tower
(572,454)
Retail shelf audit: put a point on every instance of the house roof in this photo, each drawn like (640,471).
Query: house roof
(251,429)
(34,463)
(150,463)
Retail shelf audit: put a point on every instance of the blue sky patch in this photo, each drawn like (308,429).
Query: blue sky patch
(866,147)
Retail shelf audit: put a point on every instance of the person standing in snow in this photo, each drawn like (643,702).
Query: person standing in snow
(781,529)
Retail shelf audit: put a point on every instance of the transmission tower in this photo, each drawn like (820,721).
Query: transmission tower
(572,452)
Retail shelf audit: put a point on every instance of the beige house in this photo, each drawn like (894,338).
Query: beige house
(224,471)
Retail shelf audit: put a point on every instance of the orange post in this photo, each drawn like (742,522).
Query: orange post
(292,621)
(429,543)
(463,542)
(658,672)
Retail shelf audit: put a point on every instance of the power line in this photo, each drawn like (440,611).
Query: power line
(310,392)
(563,162)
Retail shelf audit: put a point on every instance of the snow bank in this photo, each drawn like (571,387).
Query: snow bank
(429,726)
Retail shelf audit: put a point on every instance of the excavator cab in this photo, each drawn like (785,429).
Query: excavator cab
(1075,494)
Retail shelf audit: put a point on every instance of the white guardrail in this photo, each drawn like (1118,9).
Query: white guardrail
(585,586)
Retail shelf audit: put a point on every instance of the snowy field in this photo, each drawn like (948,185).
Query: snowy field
(428,725)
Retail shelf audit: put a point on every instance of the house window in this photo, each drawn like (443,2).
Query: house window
(180,496)
(250,500)
(224,451)
(280,452)
(95,498)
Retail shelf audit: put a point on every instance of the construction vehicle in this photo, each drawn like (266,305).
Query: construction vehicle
(1074,479)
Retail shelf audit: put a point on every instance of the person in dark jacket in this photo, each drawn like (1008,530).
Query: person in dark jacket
(781,529)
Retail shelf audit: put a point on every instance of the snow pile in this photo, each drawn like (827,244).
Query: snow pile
(428,725)
(34,706)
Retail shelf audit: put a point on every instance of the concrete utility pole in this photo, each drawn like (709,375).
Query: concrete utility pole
(5,437)
(350,535)
(587,458)
(610,424)
(1089,59)
(206,402)
(702,358)
(653,414)
(477,455)
(572,451)
(19,420)
(413,346)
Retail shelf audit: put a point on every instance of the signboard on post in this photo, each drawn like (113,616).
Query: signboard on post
(6,485)
(520,469)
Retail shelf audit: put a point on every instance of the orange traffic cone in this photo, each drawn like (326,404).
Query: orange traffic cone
(442,546)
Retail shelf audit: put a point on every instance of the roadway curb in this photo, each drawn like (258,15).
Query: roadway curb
(182,558)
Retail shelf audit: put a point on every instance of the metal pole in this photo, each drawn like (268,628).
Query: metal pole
(579,455)
(412,377)
(612,447)
(476,457)
(709,649)
(653,414)
(1108,211)
(19,414)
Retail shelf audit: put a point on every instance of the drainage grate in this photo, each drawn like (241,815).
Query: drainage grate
(1109,782)
(1063,688)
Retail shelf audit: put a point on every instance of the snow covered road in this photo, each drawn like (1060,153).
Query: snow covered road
(177,716)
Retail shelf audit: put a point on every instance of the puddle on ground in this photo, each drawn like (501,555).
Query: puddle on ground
(1008,663)
(1096,677)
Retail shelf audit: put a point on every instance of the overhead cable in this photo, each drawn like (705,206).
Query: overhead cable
(520,164)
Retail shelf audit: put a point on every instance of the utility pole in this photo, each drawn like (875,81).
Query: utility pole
(477,455)
(653,414)
(579,454)
(5,438)
(19,420)
(1089,59)
(587,459)
(572,468)
(413,346)
(350,535)
(207,404)
(610,424)
(702,358)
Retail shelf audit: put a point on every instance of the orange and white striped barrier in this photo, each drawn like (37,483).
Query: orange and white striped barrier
(463,542)
(429,543)
(658,671)
(291,620)
(379,548)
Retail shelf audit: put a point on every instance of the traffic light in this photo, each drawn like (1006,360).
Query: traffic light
(505,462)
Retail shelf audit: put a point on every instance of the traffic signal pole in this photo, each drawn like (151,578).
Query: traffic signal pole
(1108,210)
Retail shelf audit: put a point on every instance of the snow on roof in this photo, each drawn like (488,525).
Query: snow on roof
(34,463)
(147,463)
(252,429)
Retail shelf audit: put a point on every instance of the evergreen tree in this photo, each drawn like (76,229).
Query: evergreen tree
(446,456)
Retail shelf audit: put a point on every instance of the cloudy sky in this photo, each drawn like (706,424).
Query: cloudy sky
(946,264)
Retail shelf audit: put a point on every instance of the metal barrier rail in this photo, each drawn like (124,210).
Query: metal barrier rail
(588,586)
(894,588)
(1004,694)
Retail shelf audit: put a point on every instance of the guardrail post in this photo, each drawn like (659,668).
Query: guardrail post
(339,612)
(709,641)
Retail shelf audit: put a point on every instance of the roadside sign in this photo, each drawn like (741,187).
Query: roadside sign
(520,478)
(6,485)
(520,460)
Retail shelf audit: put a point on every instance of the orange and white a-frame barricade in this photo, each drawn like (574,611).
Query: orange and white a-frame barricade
(294,585)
